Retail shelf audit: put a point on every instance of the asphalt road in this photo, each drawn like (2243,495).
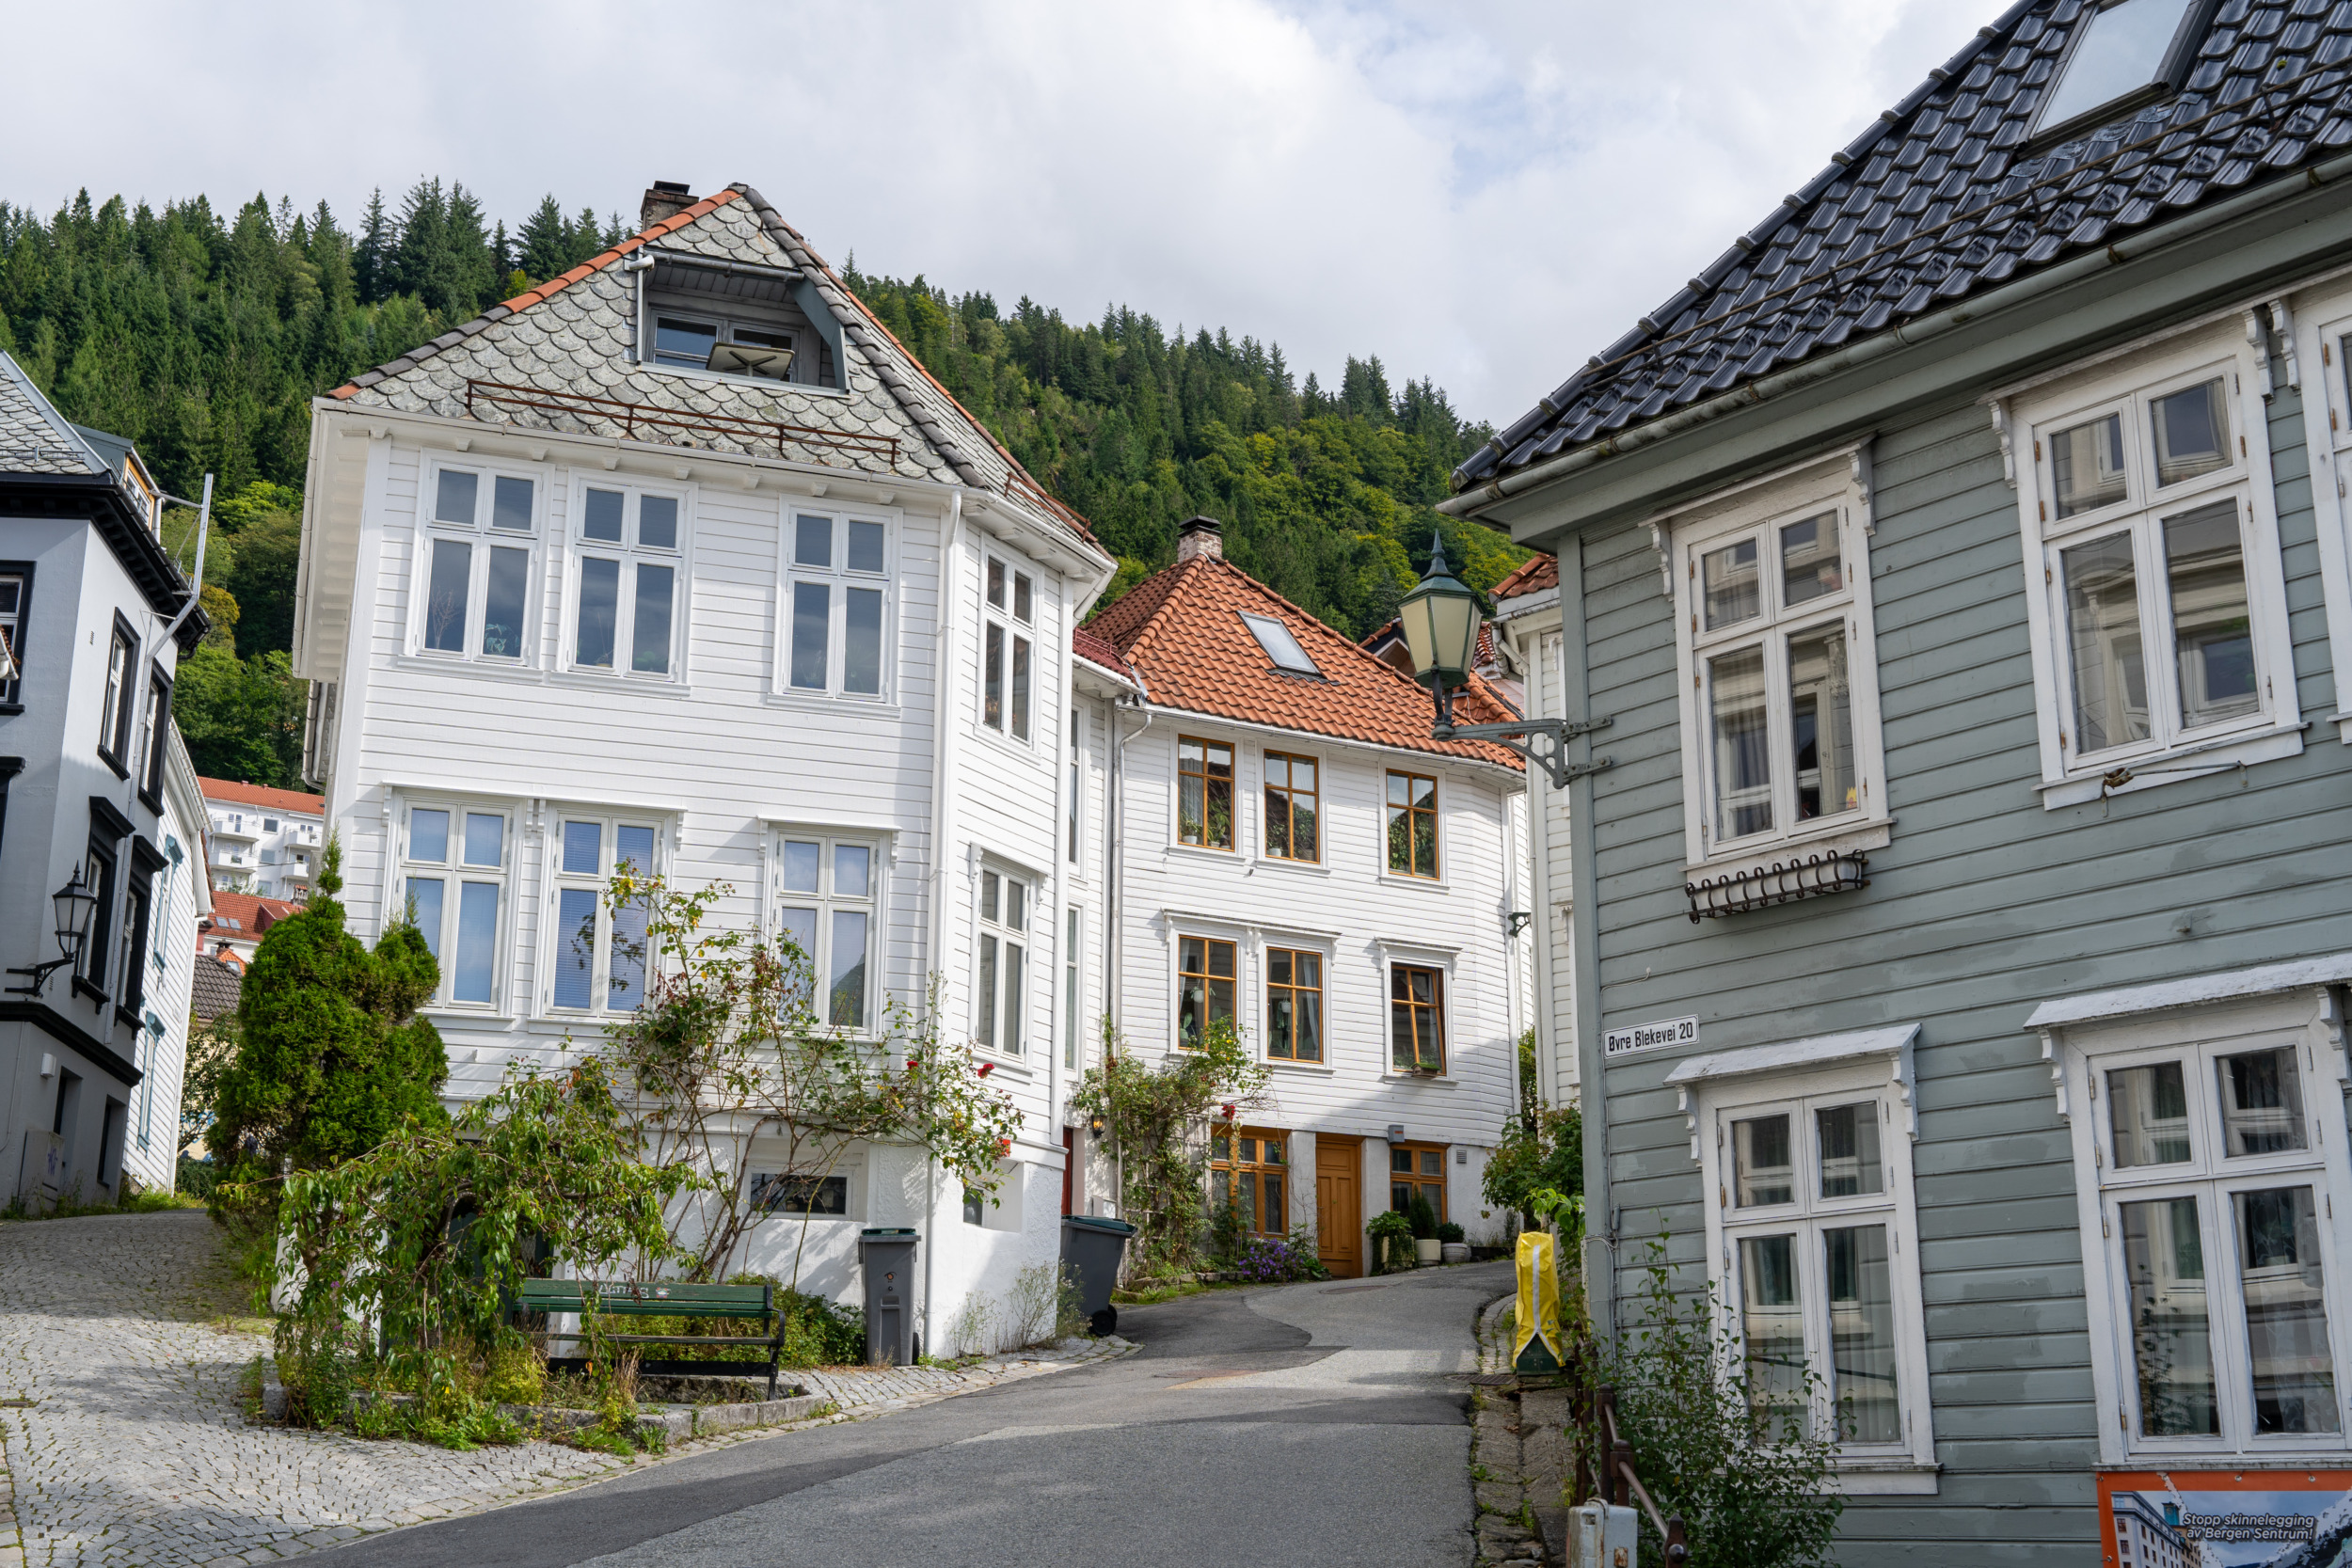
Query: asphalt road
(1301,1424)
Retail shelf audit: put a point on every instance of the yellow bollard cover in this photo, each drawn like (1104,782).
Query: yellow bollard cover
(1538,1346)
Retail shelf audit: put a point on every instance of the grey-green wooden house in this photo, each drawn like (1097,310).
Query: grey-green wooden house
(1952,942)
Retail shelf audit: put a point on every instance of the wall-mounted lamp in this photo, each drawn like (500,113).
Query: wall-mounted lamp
(1515,922)
(1095,1124)
(74,903)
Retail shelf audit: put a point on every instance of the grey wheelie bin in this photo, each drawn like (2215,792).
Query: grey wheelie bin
(888,1257)
(1092,1248)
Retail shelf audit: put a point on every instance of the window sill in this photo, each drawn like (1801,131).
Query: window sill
(2242,749)
(1289,868)
(467,1012)
(1318,1069)
(2344,723)
(1844,838)
(151,801)
(527,674)
(1441,1081)
(765,384)
(1890,1477)
(109,758)
(1399,879)
(1011,1066)
(591,681)
(9,710)
(831,702)
(84,990)
(1203,852)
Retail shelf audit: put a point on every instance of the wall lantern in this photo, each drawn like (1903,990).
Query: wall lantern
(74,903)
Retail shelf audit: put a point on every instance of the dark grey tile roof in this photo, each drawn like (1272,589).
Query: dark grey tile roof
(1942,198)
(34,437)
(213,988)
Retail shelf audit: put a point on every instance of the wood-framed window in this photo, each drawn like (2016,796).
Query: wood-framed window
(598,958)
(1417,1018)
(477,548)
(628,581)
(455,863)
(119,707)
(1002,992)
(828,908)
(1412,807)
(1294,1004)
(1417,1170)
(1206,968)
(2155,591)
(1204,793)
(837,605)
(1007,652)
(1294,823)
(1250,1172)
(16,605)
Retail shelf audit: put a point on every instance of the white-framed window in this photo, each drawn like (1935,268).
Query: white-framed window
(1072,808)
(2315,333)
(456,861)
(1778,666)
(1074,923)
(1007,650)
(2156,597)
(120,705)
(597,957)
(829,906)
(2209,1144)
(1000,986)
(836,623)
(476,590)
(1813,1243)
(16,592)
(627,598)
(690,339)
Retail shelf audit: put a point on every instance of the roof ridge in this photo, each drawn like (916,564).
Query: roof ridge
(1354,647)
(1175,577)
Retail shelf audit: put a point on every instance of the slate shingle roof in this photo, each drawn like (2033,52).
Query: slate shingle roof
(34,437)
(572,335)
(214,987)
(1180,631)
(1942,198)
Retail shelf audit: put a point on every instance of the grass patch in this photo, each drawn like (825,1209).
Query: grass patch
(139,1203)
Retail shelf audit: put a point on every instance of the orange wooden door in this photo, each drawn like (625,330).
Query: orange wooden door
(1338,1217)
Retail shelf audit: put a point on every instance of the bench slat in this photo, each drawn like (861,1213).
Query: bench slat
(761,1346)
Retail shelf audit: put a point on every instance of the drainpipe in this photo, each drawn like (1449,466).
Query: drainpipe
(637,266)
(942,702)
(1115,874)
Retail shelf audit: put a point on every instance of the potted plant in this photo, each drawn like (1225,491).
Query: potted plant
(1451,1239)
(1392,1236)
(1423,1217)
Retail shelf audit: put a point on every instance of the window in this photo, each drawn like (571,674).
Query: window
(1075,776)
(1294,1005)
(454,860)
(695,342)
(2315,333)
(1412,825)
(156,733)
(1006,656)
(1205,969)
(1204,793)
(1001,996)
(476,556)
(797,1194)
(269,824)
(828,912)
(600,957)
(1250,1173)
(98,875)
(835,603)
(1072,925)
(1416,1019)
(1280,645)
(16,591)
(1293,825)
(1417,1170)
(629,556)
(121,703)
(2126,54)
(130,940)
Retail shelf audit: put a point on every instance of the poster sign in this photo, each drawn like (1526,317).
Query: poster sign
(1648,1037)
(2227,1518)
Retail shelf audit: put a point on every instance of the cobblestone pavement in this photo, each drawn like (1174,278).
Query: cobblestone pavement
(133,1451)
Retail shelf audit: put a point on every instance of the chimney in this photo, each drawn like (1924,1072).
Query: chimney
(1201,538)
(666,199)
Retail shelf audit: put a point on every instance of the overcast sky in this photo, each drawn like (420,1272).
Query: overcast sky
(1486,193)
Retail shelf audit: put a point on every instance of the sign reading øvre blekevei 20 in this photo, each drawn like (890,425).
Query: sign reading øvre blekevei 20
(1648,1037)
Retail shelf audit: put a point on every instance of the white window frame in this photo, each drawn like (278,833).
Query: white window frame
(2313,335)
(1072,1022)
(482,537)
(724,328)
(2126,385)
(1797,1079)
(2309,1020)
(837,579)
(994,1007)
(1832,482)
(456,874)
(1392,952)
(827,901)
(579,548)
(1001,619)
(557,879)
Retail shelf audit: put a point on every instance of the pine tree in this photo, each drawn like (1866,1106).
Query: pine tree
(370,258)
(543,245)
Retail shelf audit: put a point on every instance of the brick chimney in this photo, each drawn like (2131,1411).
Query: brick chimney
(666,199)
(1201,538)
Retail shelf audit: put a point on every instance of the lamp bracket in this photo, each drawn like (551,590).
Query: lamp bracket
(1545,744)
(38,974)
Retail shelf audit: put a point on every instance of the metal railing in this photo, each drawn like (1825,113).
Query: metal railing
(1617,1464)
(645,421)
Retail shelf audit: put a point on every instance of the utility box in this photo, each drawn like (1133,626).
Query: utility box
(1602,1535)
(888,1260)
(1092,1248)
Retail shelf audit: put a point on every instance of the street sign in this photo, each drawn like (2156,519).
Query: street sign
(1648,1037)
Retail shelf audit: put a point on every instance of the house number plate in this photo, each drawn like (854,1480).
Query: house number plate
(1648,1037)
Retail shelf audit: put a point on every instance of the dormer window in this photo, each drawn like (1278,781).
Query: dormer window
(711,316)
(736,348)
(2129,52)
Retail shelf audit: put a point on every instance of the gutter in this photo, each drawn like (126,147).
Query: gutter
(2089,265)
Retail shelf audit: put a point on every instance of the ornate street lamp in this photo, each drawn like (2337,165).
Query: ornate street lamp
(1441,620)
(75,903)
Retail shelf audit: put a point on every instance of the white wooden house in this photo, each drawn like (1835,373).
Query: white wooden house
(681,559)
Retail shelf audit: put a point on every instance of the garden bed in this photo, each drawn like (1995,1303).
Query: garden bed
(659,1423)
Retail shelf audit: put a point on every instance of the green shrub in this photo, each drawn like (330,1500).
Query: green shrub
(1423,1217)
(1448,1231)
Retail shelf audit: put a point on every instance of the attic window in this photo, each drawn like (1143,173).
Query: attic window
(1280,645)
(2129,52)
(736,348)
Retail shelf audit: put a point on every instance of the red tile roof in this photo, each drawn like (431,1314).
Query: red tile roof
(1181,630)
(1097,650)
(247,916)
(292,801)
(1533,577)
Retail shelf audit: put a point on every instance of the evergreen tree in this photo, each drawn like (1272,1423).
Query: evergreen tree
(371,259)
(543,245)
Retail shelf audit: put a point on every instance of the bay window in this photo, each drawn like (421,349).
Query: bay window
(455,860)
(1000,993)
(828,912)
(476,547)
(628,584)
(598,958)
(835,605)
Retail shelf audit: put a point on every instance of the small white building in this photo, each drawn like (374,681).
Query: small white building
(265,841)
(1266,832)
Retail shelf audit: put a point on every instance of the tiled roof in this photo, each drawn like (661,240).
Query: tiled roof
(34,437)
(247,916)
(1531,577)
(572,335)
(292,801)
(1181,630)
(214,987)
(1087,645)
(1942,198)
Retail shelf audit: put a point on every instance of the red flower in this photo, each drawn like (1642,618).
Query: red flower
(986,1068)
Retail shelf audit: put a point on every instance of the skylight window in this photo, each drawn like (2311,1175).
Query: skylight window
(1280,645)
(2128,52)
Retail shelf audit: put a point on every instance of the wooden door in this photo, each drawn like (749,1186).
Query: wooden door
(1338,1217)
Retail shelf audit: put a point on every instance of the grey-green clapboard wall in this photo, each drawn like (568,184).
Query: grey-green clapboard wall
(1984,905)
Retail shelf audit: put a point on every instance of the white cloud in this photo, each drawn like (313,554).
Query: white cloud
(1485,194)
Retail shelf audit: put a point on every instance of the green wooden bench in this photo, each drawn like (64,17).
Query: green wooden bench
(663,1298)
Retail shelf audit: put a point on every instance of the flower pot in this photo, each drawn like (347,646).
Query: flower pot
(1425,1253)
(1455,1252)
